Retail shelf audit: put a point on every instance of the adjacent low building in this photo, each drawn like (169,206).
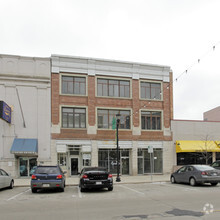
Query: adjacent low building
(25,113)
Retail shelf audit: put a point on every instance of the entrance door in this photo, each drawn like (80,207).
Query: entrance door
(74,166)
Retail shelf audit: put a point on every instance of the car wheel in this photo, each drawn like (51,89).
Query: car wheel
(172,179)
(34,190)
(214,184)
(11,185)
(62,189)
(192,181)
(110,188)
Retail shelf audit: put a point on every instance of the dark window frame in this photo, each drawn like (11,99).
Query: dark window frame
(74,86)
(150,90)
(73,114)
(113,88)
(151,120)
(125,119)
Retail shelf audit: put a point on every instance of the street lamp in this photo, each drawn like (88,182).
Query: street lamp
(118,154)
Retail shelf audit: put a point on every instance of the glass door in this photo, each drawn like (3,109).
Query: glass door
(27,166)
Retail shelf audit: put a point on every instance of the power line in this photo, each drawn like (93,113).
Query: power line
(197,62)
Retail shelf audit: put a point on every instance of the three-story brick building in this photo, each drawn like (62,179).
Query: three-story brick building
(87,94)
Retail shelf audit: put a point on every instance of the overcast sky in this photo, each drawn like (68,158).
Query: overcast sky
(174,33)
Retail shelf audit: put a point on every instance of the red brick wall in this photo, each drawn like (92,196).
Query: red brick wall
(91,101)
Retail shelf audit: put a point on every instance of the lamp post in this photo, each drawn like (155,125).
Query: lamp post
(118,153)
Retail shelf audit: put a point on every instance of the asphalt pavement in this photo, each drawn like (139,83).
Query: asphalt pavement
(72,181)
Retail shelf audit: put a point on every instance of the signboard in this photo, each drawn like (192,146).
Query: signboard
(150,149)
(5,112)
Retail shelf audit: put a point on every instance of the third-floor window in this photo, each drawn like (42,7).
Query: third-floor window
(150,90)
(73,85)
(113,88)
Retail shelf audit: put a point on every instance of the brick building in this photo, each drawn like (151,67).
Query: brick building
(87,93)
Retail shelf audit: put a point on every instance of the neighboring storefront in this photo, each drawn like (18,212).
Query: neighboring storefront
(196,152)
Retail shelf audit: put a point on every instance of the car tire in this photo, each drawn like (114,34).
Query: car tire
(62,189)
(172,179)
(82,189)
(11,185)
(214,184)
(110,188)
(34,190)
(192,181)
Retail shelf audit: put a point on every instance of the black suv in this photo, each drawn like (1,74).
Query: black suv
(95,177)
(48,177)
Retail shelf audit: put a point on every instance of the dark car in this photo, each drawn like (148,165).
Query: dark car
(6,180)
(95,177)
(48,177)
(196,174)
(216,164)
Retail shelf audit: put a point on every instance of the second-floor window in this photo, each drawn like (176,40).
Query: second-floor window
(106,118)
(73,85)
(151,120)
(113,88)
(73,117)
(150,90)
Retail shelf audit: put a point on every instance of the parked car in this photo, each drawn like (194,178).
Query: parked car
(95,177)
(48,177)
(196,174)
(216,164)
(6,180)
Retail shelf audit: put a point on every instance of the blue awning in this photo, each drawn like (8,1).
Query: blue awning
(23,146)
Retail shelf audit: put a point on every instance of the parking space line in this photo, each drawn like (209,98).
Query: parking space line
(79,193)
(13,197)
(141,193)
(181,187)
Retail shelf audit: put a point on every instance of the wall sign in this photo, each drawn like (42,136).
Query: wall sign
(5,112)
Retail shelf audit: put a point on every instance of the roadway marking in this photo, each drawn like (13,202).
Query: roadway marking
(141,193)
(13,197)
(181,187)
(79,193)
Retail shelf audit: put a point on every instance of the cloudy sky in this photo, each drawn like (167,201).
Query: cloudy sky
(176,33)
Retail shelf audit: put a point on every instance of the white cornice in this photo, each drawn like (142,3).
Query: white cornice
(92,66)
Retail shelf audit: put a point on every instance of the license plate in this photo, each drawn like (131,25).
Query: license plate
(98,183)
(46,185)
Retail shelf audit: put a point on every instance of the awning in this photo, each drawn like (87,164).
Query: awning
(197,146)
(24,147)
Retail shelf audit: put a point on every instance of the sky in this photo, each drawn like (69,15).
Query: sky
(176,33)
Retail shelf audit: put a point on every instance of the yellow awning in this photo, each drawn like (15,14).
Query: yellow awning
(197,146)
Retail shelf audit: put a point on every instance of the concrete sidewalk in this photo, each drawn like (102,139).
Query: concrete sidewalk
(73,181)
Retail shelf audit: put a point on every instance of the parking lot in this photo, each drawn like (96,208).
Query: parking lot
(159,200)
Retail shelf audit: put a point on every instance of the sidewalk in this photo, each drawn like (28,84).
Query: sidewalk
(73,181)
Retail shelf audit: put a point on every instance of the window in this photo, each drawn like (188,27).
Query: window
(113,88)
(61,157)
(150,90)
(106,117)
(73,85)
(73,117)
(150,120)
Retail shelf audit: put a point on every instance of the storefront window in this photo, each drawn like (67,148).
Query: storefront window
(108,159)
(194,158)
(27,166)
(148,163)
(61,157)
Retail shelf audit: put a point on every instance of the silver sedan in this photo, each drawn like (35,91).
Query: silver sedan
(196,174)
(6,180)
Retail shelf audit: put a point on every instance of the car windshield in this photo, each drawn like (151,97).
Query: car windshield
(47,170)
(204,167)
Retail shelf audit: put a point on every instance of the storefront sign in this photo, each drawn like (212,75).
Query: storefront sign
(61,148)
(5,112)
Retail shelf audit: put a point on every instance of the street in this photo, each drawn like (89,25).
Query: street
(159,200)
